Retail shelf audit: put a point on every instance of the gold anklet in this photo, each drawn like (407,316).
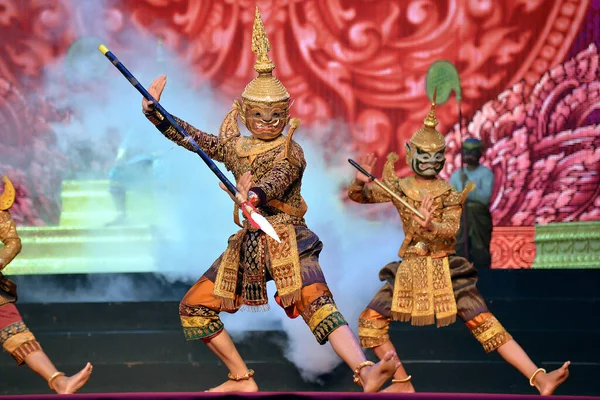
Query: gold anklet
(356,377)
(53,378)
(407,379)
(245,377)
(537,371)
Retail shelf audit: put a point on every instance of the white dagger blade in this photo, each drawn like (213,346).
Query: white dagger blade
(264,225)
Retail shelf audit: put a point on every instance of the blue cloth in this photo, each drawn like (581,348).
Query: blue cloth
(482,177)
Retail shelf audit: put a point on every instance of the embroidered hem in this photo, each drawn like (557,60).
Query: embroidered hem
(488,331)
(199,322)
(324,328)
(372,333)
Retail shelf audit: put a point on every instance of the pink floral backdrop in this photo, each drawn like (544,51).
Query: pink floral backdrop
(529,72)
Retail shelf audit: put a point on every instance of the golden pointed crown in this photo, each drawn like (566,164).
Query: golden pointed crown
(265,88)
(428,138)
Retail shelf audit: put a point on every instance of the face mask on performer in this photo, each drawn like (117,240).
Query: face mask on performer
(265,121)
(425,151)
(427,163)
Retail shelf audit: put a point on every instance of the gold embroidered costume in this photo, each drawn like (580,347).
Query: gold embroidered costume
(15,337)
(430,284)
(237,279)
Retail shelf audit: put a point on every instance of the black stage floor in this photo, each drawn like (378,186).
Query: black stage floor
(139,347)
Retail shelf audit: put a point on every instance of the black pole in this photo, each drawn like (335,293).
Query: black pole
(465,218)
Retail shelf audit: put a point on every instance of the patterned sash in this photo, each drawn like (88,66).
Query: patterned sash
(423,292)
(247,249)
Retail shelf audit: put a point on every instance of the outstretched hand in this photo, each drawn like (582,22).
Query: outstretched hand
(156,88)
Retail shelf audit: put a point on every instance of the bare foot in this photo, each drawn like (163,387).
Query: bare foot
(374,377)
(400,388)
(248,385)
(546,384)
(71,384)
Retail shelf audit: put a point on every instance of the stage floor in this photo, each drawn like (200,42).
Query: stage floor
(300,395)
(138,349)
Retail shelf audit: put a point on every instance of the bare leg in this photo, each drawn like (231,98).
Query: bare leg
(39,363)
(224,348)
(545,383)
(347,347)
(405,387)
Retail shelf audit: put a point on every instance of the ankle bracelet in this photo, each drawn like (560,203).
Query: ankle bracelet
(537,371)
(356,377)
(53,378)
(244,377)
(404,380)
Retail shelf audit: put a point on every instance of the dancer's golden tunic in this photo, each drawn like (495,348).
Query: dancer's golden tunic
(430,283)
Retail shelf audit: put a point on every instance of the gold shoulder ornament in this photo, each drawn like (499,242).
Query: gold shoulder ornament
(7,199)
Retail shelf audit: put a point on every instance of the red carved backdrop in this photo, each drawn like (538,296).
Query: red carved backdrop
(528,68)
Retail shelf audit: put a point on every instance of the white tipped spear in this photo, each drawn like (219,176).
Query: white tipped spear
(254,217)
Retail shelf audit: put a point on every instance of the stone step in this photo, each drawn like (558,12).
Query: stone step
(59,237)
(86,250)
(97,203)
(82,265)
(100,201)
(99,219)
(34,232)
(59,250)
(82,246)
(95,219)
(100,185)
(88,203)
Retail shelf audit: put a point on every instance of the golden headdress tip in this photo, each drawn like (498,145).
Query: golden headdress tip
(431,120)
(261,46)
(265,87)
(428,138)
